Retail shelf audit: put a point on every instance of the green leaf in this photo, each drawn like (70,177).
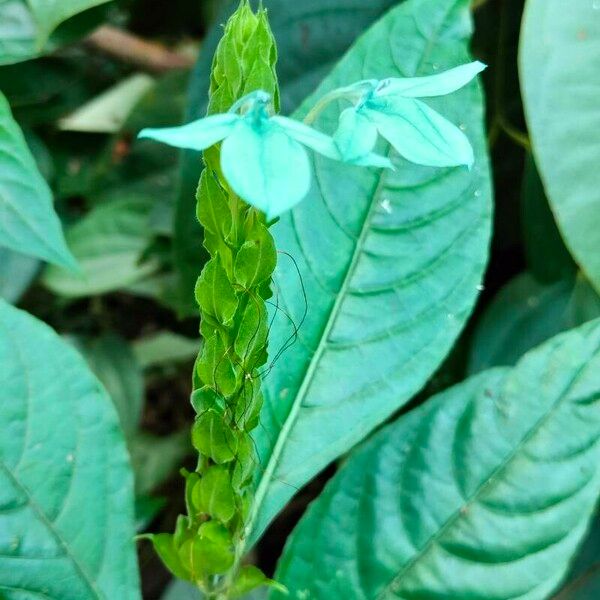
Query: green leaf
(181,590)
(526,313)
(108,243)
(164,347)
(28,223)
(19,38)
(390,264)
(561,84)
(155,459)
(112,360)
(66,498)
(310,42)
(49,14)
(108,112)
(17,271)
(485,491)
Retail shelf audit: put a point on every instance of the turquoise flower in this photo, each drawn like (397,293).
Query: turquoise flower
(263,157)
(390,108)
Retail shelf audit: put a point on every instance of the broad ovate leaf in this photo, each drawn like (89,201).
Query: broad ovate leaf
(66,488)
(485,491)
(385,263)
(28,223)
(108,242)
(560,81)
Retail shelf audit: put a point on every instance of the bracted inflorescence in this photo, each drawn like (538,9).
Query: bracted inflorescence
(231,293)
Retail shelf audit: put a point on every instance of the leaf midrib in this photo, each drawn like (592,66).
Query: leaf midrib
(488,483)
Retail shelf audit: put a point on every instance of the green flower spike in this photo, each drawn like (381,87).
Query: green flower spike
(390,108)
(262,155)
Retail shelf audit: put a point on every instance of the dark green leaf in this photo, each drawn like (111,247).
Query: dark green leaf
(561,84)
(112,360)
(485,491)
(548,260)
(67,490)
(526,313)
(28,223)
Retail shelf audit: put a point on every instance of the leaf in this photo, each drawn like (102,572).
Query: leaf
(67,522)
(17,271)
(558,55)
(181,590)
(108,243)
(485,491)
(583,581)
(164,347)
(49,14)
(108,112)
(390,264)
(311,37)
(28,223)
(155,459)
(19,36)
(113,362)
(526,313)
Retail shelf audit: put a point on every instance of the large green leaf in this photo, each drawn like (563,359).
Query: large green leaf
(19,36)
(28,223)
(108,244)
(560,79)
(526,313)
(311,36)
(485,491)
(66,489)
(388,264)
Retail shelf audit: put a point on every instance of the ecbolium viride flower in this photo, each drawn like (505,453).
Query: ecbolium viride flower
(263,157)
(390,108)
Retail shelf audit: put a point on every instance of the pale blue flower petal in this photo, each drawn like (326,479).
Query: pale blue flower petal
(316,140)
(198,135)
(355,136)
(265,167)
(420,134)
(325,145)
(432,85)
(373,160)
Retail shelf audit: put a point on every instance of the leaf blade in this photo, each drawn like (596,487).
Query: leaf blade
(354,258)
(29,224)
(57,457)
(560,85)
(483,491)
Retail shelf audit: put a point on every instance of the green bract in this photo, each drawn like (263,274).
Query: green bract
(389,107)
(262,156)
